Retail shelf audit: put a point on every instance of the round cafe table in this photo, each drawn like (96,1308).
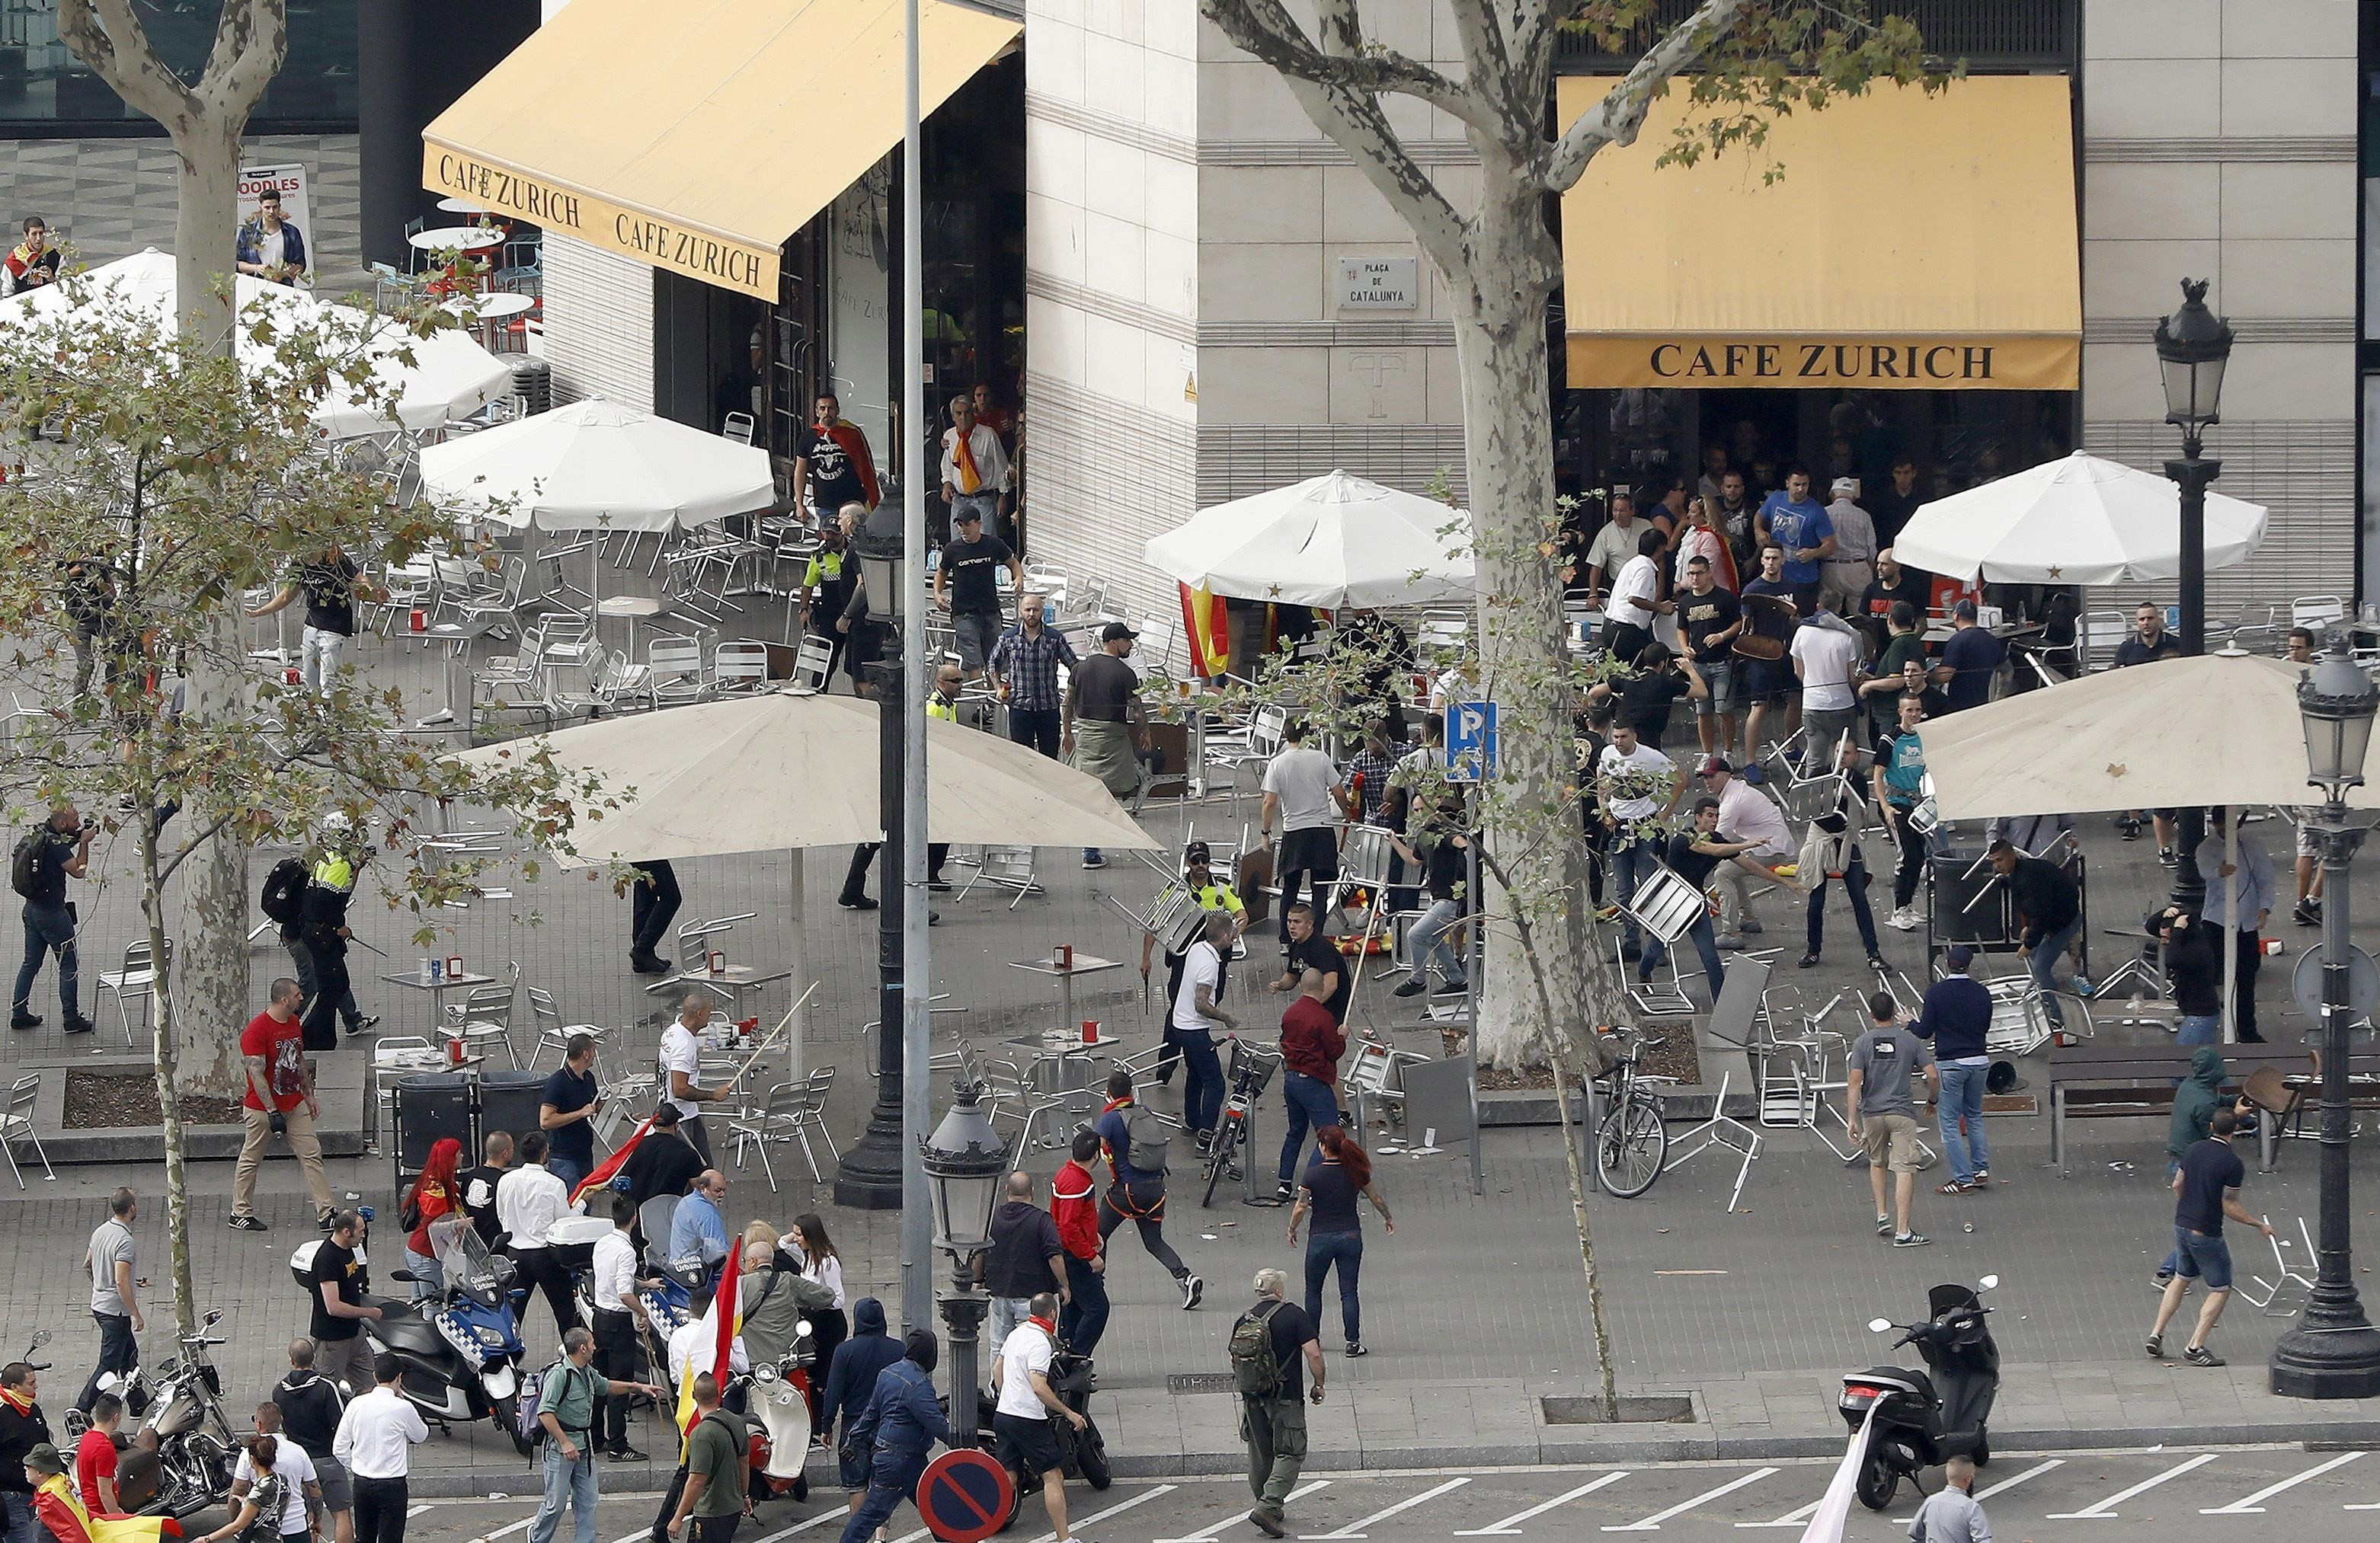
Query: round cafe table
(453,238)
(461,206)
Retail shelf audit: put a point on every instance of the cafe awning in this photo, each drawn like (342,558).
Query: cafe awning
(699,136)
(1908,241)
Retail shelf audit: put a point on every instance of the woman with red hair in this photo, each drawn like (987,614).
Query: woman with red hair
(1340,1171)
(432,1196)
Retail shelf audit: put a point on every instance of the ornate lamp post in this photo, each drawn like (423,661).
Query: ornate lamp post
(2193,346)
(2332,1351)
(965,1161)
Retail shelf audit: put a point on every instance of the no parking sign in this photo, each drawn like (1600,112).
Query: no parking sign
(963,1496)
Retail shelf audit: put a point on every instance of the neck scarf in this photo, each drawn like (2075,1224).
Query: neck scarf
(963,455)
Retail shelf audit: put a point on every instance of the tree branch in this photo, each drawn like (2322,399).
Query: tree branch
(1618,117)
(251,41)
(113,42)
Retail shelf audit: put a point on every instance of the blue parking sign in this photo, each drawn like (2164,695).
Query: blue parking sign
(1470,741)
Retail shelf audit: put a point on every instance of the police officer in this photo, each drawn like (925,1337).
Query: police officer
(329,887)
(1210,894)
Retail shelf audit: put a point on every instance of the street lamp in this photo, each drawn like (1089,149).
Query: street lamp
(2192,345)
(965,1161)
(2333,1351)
(871,1173)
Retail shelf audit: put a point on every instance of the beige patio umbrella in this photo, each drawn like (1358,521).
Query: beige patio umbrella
(2220,728)
(786,770)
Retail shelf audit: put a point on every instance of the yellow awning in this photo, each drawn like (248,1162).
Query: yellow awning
(697,136)
(1911,242)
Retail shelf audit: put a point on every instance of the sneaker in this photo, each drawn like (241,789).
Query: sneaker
(2199,1356)
(855,902)
(1413,987)
(625,1454)
(25,1020)
(2155,1346)
(324,1220)
(1285,1193)
(1268,1524)
(78,1025)
(2131,828)
(1952,1186)
(1729,940)
(2305,916)
(2161,1280)
(1910,1240)
(1808,961)
(1875,963)
(1983,1179)
(363,1026)
(1355,1347)
(1453,988)
(248,1223)
(1884,1226)
(2165,855)
(1752,924)
(1904,919)
(1193,1288)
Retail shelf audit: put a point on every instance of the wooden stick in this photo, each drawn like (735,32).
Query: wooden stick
(768,1038)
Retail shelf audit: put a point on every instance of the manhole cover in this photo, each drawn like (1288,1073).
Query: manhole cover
(1200,1383)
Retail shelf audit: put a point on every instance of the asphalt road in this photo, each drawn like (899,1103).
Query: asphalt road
(2195,1495)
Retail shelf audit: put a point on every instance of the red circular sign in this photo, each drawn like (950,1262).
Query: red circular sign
(965,1495)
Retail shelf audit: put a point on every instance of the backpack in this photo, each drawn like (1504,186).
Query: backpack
(1145,1137)
(529,1403)
(25,866)
(283,899)
(1255,1371)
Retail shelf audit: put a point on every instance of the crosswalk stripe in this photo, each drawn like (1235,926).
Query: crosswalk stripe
(1111,1510)
(2035,1472)
(2106,1508)
(1796,1518)
(1355,1529)
(1510,1525)
(1208,1535)
(1653,1522)
(414,1512)
(821,1519)
(522,1526)
(2255,1504)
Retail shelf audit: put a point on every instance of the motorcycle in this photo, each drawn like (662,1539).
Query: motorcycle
(1083,1453)
(1921,1420)
(461,1351)
(196,1446)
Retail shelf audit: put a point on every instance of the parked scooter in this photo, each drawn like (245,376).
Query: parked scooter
(460,1351)
(1922,1421)
(779,1415)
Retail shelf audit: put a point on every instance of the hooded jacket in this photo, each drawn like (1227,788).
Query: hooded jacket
(903,1418)
(858,1360)
(2194,963)
(1022,1239)
(2195,1101)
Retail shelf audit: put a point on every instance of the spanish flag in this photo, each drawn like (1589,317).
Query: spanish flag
(59,1509)
(1203,620)
(725,1316)
(609,1169)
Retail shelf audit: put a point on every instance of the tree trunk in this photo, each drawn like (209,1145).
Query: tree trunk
(213,962)
(1500,335)
(163,1031)
(206,213)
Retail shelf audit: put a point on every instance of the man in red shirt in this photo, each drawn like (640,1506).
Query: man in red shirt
(1074,1205)
(95,1456)
(274,1056)
(1311,1044)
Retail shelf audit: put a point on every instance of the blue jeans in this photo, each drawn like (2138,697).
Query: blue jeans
(2043,962)
(1312,1102)
(2197,1029)
(119,1352)
(1202,1092)
(1632,864)
(429,1279)
(892,1479)
(22,1527)
(569,1170)
(571,1483)
(48,928)
(1960,1118)
(1427,943)
(1854,886)
(1085,1318)
(1705,943)
(1344,1249)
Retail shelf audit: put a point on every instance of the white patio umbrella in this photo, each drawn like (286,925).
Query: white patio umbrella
(2221,728)
(2079,520)
(598,465)
(1332,541)
(449,377)
(787,770)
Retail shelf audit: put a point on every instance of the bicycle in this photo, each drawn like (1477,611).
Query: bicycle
(1251,1070)
(1631,1141)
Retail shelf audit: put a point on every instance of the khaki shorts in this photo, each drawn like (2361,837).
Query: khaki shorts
(1891,1141)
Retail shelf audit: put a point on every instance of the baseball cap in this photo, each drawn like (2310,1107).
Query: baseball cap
(1195,852)
(1964,610)
(1714,764)
(1960,956)
(1115,630)
(1847,485)
(970,515)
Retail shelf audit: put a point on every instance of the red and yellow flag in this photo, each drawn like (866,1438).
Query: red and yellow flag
(609,1169)
(726,1315)
(1206,624)
(61,1511)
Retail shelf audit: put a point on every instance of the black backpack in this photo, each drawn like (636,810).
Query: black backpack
(25,866)
(285,892)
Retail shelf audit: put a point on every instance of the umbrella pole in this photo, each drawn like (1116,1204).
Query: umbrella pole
(2231,928)
(798,951)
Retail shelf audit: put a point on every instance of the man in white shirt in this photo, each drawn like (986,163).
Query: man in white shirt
(1637,601)
(1640,787)
(301,1493)
(681,1058)
(1195,1005)
(1745,814)
(1849,569)
(1302,797)
(1022,1418)
(619,1316)
(974,466)
(373,1439)
(530,1199)
(1826,654)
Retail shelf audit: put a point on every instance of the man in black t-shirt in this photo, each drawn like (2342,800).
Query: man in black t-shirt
(1275,1426)
(1891,585)
(1693,855)
(1711,617)
(1309,949)
(336,1325)
(966,584)
(664,1161)
(1763,683)
(567,1112)
(479,1186)
(330,583)
(1644,696)
(61,851)
(833,466)
(2208,1188)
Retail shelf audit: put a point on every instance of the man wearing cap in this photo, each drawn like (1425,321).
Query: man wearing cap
(966,582)
(1105,727)
(1955,1017)
(1208,893)
(1745,814)
(1847,571)
(1973,656)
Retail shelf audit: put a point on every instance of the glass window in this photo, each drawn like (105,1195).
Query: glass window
(44,88)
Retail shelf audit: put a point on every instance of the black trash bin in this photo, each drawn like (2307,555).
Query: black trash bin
(430,1107)
(508,1102)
